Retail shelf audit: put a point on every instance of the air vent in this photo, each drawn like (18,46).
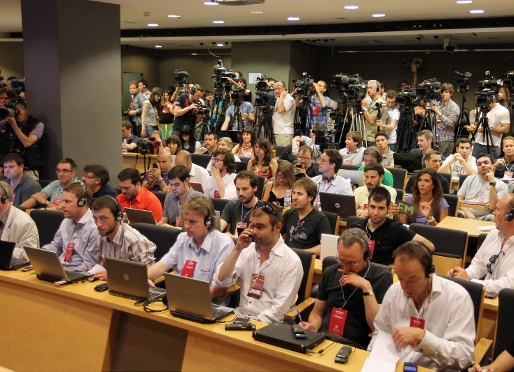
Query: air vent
(240,2)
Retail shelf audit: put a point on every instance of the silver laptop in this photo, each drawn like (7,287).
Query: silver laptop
(47,266)
(130,279)
(7,262)
(139,216)
(190,298)
(343,205)
(355,177)
(328,246)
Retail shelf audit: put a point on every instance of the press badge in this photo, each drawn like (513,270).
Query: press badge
(57,201)
(315,110)
(69,252)
(256,286)
(371,246)
(337,321)
(189,269)
(417,323)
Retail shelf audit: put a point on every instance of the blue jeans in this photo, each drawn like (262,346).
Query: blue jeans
(494,151)
(392,147)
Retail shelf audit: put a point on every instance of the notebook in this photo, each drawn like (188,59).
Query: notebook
(190,298)
(48,267)
(356,177)
(410,162)
(343,205)
(196,186)
(328,246)
(7,262)
(139,216)
(282,335)
(130,279)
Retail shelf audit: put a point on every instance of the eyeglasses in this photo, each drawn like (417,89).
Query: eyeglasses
(350,264)
(214,160)
(304,159)
(266,208)
(321,160)
(57,171)
(87,176)
(492,262)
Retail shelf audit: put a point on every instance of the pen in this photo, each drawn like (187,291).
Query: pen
(299,316)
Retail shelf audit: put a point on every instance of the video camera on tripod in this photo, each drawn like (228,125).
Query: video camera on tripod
(508,81)
(181,76)
(262,89)
(221,76)
(429,91)
(304,87)
(350,87)
(462,81)
(486,93)
(237,96)
(325,139)
(406,99)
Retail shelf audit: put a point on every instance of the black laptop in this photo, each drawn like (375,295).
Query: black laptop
(342,205)
(7,262)
(409,162)
(282,335)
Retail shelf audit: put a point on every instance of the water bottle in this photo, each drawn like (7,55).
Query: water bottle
(124,146)
(287,200)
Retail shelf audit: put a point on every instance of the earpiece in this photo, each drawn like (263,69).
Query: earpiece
(509,216)
(428,269)
(82,200)
(117,214)
(5,199)
(378,155)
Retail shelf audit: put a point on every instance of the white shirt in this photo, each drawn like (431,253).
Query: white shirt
(503,269)
(449,341)
(19,228)
(497,116)
(209,165)
(338,185)
(197,174)
(362,196)
(475,188)
(457,169)
(211,186)
(355,158)
(392,114)
(284,123)
(282,273)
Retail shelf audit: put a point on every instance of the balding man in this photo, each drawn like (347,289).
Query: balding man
(283,116)
(196,173)
(156,179)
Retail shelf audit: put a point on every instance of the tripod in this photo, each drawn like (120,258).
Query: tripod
(358,124)
(486,131)
(463,118)
(264,124)
(405,131)
(236,119)
(202,129)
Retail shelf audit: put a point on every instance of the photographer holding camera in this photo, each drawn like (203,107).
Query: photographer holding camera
(319,104)
(447,112)
(184,106)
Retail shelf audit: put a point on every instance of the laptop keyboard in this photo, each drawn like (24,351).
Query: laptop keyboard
(75,275)
(219,312)
(155,293)
(18,262)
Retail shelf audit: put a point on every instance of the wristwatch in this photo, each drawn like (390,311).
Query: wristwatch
(431,220)
(46,202)
(492,183)
(365,109)
(370,293)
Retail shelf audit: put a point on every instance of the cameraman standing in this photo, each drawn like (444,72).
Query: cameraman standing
(283,115)
(183,110)
(319,104)
(447,112)
(373,112)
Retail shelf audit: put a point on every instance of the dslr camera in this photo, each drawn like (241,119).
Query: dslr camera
(8,111)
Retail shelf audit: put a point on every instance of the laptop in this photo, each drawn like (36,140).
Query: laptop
(282,335)
(48,267)
(196,186)
(343,205)
(190,299)
(139,216)
(217,223)
(7,262)
(410,162)
(130,279)
(328,246)
(356,177)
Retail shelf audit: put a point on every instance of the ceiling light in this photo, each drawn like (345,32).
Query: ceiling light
(210,3)
(158,46)
(219,44)
(476,11)
(293,18)
(194,54)
(464,1)
(351,7)
(378,15)
(219,21)
(256,12)
(153,25)
(174,16)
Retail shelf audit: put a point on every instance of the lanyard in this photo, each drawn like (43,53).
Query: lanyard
(342,289)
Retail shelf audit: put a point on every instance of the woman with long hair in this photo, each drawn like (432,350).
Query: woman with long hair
(263,163)
(427,196)
(275,190)
(188,140)
(149,116)
(245,147)
(174,144)
(167,106)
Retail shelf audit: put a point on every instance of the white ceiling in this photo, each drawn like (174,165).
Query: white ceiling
(194,14)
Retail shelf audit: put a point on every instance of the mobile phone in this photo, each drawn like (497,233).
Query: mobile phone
(154,165)
(27,268)
(491,295)
(102,287)
(410,367)
(299,332)
(343,354)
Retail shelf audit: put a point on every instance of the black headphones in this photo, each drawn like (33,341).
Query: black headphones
(117,214)
(366,243)
(377,84)
(208,220)
(5,198)
(509,216)
(430,269)
(194,88)
(379,155)
(82,200)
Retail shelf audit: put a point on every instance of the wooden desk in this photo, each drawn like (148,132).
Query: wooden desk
(489,318)
(134,160)
(465,224)
(47,327)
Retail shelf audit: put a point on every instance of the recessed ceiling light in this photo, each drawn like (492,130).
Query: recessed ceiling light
(378,15)
(476,11)
(464,1)
(158,46)
(220,44)
(210,3)
(293,18)
(174,16)
(218,21)
(153,25)
(256,12)
(194,54)
(351,7)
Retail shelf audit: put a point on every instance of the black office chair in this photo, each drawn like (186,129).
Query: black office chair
(307,258)
(399,177)
(353,219)
(118,190)
(163,237)
(201,160)
(47,222)
(240,166)
(452,201)
(505,322)
(448,177)
(245,159)
(44,183)
(400,194)
(480,240)
(334,220)
(161,195)
(260,188)
(280,150)
(219,204)
(462,178)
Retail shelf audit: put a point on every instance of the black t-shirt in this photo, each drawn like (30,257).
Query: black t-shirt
(499,172)
(183,101)
(232,213)
(313,170)
(356,328)
(444,184)
(106,190)
(307,232)
(389,236)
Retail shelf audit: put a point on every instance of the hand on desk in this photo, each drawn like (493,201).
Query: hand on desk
(308,326)
(458,272)
(406,336)
(101,276)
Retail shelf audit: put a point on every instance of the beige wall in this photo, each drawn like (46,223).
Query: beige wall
(141,60)
(11,62)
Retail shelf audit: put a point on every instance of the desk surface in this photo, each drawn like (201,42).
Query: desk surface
(48,312)
(465,224)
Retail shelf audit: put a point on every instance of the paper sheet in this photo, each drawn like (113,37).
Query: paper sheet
(97,269)
(384,355)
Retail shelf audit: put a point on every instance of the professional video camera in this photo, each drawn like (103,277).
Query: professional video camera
(343,80)
(147,145)
(181,76)
(462,81)
(262,90)
(237,96)
(488,83)
(508,81)
(18,85)
(8,110)
(304,86)
(407,98)
(325,139)
(356,93)
(429,91)
(484,97)
(201,110)
(221,76)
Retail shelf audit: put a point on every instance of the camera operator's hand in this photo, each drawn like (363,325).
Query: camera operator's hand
(363,104)
(470,128)
(435,109)
(192,106)
(413,67)
(480,129)
(12,122)
(379,124)
(418,110)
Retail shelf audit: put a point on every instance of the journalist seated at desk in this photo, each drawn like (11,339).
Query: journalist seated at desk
(269,270)
(117,239)
(493,264)
(352,289)
(199,249)
(430,319)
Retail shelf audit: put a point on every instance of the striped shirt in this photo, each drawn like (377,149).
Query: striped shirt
(450,112)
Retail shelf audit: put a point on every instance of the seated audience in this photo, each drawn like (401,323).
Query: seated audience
(373,176)
(196,173)
(173,144)
(224,143)
(493,264)
(188,140)
(157,178)
(24,186)
(305,163)
(329,181)
(482,188)
(430,319)
(504,167)
(372,154)
(427,196)
(382,141)
(76,240)
(275,190)
(133,195)
(245,147)
(270,272)
(117,239)
(126,134)
(96,176)
(504,362)
(352,153)
(303,225)
(461,163)
(354,288)
(220,184)
(210,145)
(432,160)
(385,234)
(425,141)
(263,163)
(299,141)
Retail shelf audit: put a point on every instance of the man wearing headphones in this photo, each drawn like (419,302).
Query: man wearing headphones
(199,249)
(350,292)
(15,225)
(373,111)
(117,239)
(493,264)
(183,109)
(428,318)
(76,240)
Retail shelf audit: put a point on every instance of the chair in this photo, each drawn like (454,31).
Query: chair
(241,165)
(462,177)
(201,160)
(245,159)
(219,204)
(161,195)
(353,219)
(47,222)
(450,246)
(400,194)
(163,237)
(334,220)
(480,240)
(260,188)
(118,190)
(44,183)
(307,258)
(350,167)
(280,150)
(452,201)
(399,177)
(505,321)
(447,176)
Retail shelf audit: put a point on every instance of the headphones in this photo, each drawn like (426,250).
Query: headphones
(379,155)
(208,220)
(82,200)
(376,83)
(366,243)
(194,88)
(117,214)
(5,198)
(430,269)
(509,216)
